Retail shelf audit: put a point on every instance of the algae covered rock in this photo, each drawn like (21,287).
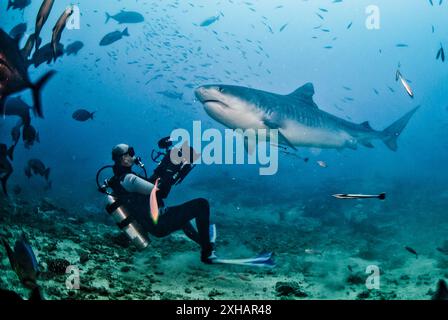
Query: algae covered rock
(289,289)
(57,266)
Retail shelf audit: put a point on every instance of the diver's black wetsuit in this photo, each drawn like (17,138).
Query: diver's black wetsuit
(171,218)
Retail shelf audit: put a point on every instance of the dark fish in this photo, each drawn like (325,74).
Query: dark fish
(349,25)
(171,94)
(381,196)
(17,107)
(210,20)
(29,136)
(23,261)
(409,249)
(112,37)
(57,31)
(42,16)
(441,291)
(37,167)
(15,132)
(430,1)
(5,166)
(443,250)
(126,17)
(82,115)
(18,4)
(29,45)
(18,31)
(74,48)
(14,76)
(283,27)
(46,54)
(349,267)
(441,54)
(401,45)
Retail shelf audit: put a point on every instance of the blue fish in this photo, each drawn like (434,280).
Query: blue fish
(23,261)
(211,20)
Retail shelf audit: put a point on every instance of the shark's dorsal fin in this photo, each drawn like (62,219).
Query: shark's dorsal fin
(366,125)
(305,93)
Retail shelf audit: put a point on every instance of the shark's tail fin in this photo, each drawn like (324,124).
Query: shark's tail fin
(36,93)
(391,133)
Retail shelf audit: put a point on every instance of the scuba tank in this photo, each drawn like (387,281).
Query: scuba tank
(122,218)
(126,223)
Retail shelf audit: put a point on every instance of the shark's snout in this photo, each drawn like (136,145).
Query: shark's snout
(207,93)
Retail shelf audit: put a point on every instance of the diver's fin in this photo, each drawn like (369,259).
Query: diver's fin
(262,260)
(10,254)
(391,133)
(36,88)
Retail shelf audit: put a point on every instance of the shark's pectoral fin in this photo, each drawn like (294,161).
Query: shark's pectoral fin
(284,139)
(275,126)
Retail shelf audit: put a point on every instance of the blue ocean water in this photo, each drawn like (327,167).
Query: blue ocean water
(276,46)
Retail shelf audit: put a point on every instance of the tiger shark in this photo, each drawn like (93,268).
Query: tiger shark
(299,121)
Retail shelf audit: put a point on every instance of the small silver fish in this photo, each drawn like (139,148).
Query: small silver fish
(381,196)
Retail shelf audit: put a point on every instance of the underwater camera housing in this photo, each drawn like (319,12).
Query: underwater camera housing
(168,172)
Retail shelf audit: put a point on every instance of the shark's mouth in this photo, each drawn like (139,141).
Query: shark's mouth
(220,103)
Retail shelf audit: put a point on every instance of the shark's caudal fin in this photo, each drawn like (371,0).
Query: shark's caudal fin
(36,92)
(391,133)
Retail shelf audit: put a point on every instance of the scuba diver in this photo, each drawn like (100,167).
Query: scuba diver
(134,199)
